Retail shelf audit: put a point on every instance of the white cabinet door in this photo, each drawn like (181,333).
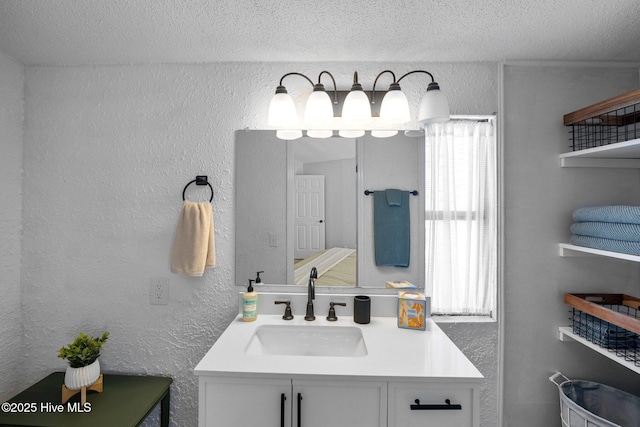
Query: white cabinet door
(339,403)
(241,402)
(433,410)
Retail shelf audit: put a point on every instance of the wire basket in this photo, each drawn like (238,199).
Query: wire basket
(588,321)
(618,340)
(608,122)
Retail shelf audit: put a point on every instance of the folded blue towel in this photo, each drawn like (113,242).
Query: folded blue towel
(391,227)
(394,197)
(604,333)
(618,213)
(608,230)
(622,246)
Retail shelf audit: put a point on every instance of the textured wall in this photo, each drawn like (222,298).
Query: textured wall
(107,152)
(479,342)
(539,199)
(11,119)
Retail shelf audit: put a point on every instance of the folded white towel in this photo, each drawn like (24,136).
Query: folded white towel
(194,246)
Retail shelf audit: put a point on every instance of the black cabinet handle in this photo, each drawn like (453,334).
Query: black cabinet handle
(282,399)
(299,409)
(447,406)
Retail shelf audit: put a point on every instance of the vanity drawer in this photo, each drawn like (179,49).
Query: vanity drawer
(433,409)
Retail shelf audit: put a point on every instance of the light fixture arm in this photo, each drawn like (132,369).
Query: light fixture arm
(335,88)
(373,90)
(294,74)
(417,71)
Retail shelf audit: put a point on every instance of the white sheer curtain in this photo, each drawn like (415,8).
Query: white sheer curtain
(461,216)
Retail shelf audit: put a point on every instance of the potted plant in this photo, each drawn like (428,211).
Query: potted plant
(82,355)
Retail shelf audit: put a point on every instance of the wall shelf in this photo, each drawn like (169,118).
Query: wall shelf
(619,155)
(566,334)
(603,135)
(569,250)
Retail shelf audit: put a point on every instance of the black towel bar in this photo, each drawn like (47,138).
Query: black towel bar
(367,192)
(200,180)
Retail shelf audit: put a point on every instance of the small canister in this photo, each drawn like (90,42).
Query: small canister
(362,309)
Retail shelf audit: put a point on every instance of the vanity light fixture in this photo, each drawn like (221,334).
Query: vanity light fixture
(356,116)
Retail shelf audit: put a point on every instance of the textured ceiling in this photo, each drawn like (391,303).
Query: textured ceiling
(195,31)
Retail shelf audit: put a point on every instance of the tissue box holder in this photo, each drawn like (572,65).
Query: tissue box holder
(412,311)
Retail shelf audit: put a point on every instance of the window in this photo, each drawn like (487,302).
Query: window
(461,207)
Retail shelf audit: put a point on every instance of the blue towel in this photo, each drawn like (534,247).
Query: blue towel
(394,197)
(622,246)
(617,213)
(391,227)
(608,230)
(604,333)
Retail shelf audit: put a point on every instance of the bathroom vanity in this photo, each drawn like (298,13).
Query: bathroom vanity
(296,373)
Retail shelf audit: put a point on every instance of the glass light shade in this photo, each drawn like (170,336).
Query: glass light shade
(351,133)
(320,133)
(289,134)
(414,133)
(383,133)
(318,114)
(434,107)
(356,107)
(395,108)
(318,111)
(282,111)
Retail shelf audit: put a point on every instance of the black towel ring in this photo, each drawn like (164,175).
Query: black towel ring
(200,180)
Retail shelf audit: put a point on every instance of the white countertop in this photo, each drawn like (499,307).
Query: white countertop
(393,354)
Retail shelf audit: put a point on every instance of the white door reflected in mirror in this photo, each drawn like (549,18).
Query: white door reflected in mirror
(309,227)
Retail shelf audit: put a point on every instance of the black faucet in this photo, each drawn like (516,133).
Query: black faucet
(287,311)
(311,294)
(331,317)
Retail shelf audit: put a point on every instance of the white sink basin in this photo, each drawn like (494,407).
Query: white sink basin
(307,340)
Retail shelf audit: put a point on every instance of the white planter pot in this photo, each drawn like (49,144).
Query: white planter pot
(76,378)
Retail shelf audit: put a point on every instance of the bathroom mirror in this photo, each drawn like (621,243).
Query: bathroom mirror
(282,216)
(296,209)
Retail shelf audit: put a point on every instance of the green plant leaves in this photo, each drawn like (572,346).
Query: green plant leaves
(84,350)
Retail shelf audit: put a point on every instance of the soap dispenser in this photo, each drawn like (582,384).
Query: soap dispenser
(258,279)
(250,304)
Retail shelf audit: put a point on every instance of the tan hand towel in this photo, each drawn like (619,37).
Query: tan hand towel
(194,246)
